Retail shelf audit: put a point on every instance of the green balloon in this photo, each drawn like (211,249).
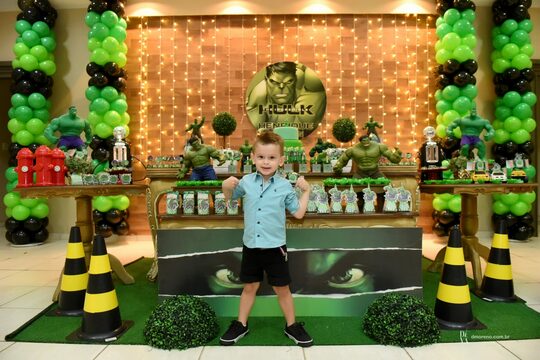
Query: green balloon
(122,22)
(100,31)
(526,25)
(37,100)
(29,62)
(502,112)
(40,211)
(11,174)
(100,106)
(501,136)
(91,19)
(469,15)
(35,126)
(42,114)
(103,130)
(442,30)
(48,67)
(120,59)
(109,93)
(100,167)
(511,99)
(455,204)
(30,38)
(527,197)
(94,118)
(11,187)
(125,121)
(120,106)
(527,49)
(511,124)
(463,53)
(519,208)
(112,46)
(102,203)
(520,37)
(112,118)
(24,137)
(21,26)
(109,18)
(509,26)
(499,208)
(99,56)
(451,16)
(509,51)
(497,124)
(520,61)
(451,41)
(18,100)
(530,171)
(20,212)
(469,41)
(499,65)
(462,105)
(93,44)
(528,125)
(121,202)
(41,28)
(462,27)
(441,131)
(92,93)
(450,93)
(119,33)
(12,199)
(438,45)
(510,199)
(30,202)
(522,111)
(520,136)
(20,49)
(450,116)
(500,40)
(39,52)
(443,106)
(23,113)
(49,42)
(445,196)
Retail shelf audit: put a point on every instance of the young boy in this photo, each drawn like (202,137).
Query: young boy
(266,196)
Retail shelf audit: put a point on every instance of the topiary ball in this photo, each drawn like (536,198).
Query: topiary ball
(344,130)
(224,124)
(401,320)
(180,322)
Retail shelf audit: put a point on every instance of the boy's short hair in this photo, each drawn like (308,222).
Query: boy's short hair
(267,136)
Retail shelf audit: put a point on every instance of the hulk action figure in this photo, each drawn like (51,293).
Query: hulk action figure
(198,158)
(70,127)
(245,150)
(366,155)
(371,127)
(471,127)
(195,128)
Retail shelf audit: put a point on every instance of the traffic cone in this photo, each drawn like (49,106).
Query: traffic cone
(497,284)
(453,305)
(74,278)
(101,317)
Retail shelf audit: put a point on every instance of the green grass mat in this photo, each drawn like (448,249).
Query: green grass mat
(504,321)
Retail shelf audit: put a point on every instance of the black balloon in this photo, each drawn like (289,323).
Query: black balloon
(33,147)
(95,142)
(9,236)
(18,74)
(119,84)
(446,217)
(113,216)
(97,215)
(510,219)
(499,17)
(451,66)
(522,86)
(103,229)
(100,79)
(519,231)
(527,219)
(511,74)
(25,4)
(38,76)
(32,224)
(20,237)
(45,91)
(528,74)
(510,148)
(100,154)
(497,149)
(118,8)
(470,66)
(443,81)
(439,229)
(461,78)
(112,69)
(526,3)
(435,215)
(122,228)
(461,4)
(24,87)
(92,68)
(41,235)
(520,13)
(526,148)
(501,160)
(44,221)
(98,6)
(12,224)
(501,89)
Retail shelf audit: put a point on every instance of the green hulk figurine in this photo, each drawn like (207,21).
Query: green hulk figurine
(195,128)
(245,150)
(371,127)
(471,127)
(198,158)
(366,155)
(70,127)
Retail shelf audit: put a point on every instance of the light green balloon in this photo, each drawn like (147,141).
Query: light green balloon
(29,62)
(91,19)
(35,126)
(100,56)
(455,204)
(24,137)
(109,93)
(526,25)
(499,65)
(102,203)
(49,42)
(501,136)
(119,58)
(528,125)
(511,124)
(520,136)
(125,121)
(527,197)
(469,41)
(450,116)
(527,49)
(120,106)
(511,99)
(441,131)
(462,27)
(497,124)
(42,140)
(443,106)
(121,202)
(499,208)
(48,67)
(20,49)
(522,111)
(509,51)
(112,46)
(109,18)
(462,105)
(510,199)
(520,61)
(20,212)
(93,44)
(29,203)
(519,208)
(94,118)
(18,100)
(41,28)
(103,130)
(451,16)
(40,211)
(509,26)
(450,93)
(463,53)
(39,52)
(451,41)
(530,171)
(100,106)
(112,118)
(122,22)
(100,31)
(119,33)
(12,199)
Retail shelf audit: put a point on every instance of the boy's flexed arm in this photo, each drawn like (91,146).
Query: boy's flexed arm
(228,186)
(303,185)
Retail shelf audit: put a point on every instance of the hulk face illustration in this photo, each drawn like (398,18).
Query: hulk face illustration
(281,87)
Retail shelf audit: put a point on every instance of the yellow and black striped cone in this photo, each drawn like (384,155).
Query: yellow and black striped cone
(453,304)
(101,317)
(497,284)
(74,277)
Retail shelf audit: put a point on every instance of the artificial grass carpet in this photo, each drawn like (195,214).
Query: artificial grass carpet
(504,321)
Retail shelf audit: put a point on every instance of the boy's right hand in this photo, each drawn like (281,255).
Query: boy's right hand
(229,185)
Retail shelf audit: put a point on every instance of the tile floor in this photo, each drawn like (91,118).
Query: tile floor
(28,277)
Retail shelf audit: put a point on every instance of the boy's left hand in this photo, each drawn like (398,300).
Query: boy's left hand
(302,184)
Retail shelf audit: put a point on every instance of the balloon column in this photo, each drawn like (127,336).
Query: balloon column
(514,122)
(33,67)
(457,65)
(108,105)
(515,209)
(446,213)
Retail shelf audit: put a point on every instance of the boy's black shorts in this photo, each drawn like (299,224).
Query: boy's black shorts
(273,262)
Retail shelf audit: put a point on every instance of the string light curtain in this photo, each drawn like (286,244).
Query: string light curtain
(365,71)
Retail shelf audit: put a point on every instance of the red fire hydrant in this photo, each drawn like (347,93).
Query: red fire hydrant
(24,169)
(43,167)
(58,169)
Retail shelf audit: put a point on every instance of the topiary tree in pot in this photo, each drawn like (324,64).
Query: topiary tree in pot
(344,130)
(224,125)
(401,320)
(181,322)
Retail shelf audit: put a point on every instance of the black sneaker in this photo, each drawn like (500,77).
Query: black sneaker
(235,332)
(298,334)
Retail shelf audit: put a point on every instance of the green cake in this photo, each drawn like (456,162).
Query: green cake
(289,135)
